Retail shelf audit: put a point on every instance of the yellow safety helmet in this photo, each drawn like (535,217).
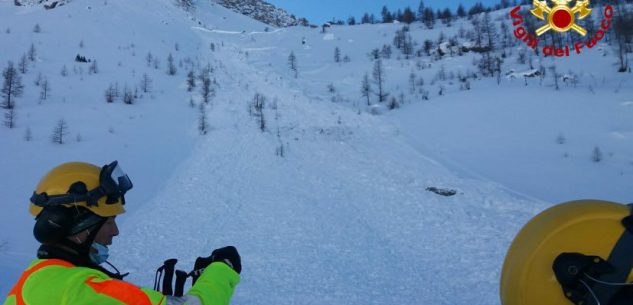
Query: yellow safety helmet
(93,192)
(577,252)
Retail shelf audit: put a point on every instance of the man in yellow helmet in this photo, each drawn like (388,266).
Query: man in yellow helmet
(76,205)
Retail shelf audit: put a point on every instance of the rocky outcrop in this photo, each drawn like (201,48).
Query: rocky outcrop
(47,4)
(264,12)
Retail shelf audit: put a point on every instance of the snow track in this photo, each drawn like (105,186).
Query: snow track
(344,218)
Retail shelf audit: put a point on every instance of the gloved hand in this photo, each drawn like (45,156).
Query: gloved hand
(229,256)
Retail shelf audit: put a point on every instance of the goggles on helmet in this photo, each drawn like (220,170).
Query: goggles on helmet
(113,184)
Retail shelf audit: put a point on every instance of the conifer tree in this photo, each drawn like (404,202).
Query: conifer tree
(59,132)
(292,63)
(365,88)
(379,80)
(12,87)
(337,55)
(171,67)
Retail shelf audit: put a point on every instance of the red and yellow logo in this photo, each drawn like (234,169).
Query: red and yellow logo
(561,18)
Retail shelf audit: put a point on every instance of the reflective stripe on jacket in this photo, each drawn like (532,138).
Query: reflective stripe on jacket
(54,281)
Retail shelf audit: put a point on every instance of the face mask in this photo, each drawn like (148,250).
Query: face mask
(101,255)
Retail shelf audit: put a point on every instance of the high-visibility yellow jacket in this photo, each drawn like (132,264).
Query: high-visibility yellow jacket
(58,282)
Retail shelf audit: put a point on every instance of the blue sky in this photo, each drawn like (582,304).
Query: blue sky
(319,11)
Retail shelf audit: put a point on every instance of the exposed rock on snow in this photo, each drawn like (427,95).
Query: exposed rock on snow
(264,12)
(48,4)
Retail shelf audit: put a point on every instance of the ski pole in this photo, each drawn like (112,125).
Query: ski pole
(170,265)
(181,279)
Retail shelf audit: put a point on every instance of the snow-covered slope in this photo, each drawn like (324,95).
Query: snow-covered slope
(506,132)
(342,217)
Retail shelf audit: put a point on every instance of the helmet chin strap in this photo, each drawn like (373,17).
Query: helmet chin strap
(86,245)
(83,248)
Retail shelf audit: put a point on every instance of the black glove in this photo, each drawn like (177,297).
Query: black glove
(199,266)
(229,256)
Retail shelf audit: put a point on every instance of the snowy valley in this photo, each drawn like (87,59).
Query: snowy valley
(238,132)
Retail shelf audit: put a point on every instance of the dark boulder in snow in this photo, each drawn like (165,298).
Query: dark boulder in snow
(442,191)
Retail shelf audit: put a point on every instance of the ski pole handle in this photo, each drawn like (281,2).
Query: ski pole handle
(181,279)
(168,276)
